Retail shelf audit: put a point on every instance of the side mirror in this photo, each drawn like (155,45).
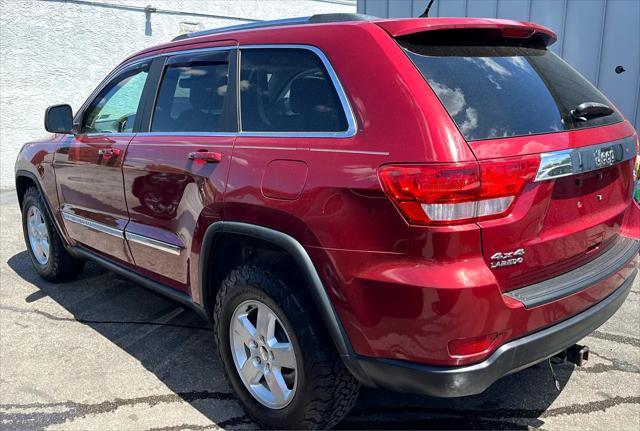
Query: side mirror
(58,119)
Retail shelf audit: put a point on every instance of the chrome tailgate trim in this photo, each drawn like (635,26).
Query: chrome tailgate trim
(564,163)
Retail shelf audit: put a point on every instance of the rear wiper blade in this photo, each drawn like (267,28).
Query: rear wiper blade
(588,110)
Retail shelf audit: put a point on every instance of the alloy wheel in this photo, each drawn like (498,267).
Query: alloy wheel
(263,354)
(38,235)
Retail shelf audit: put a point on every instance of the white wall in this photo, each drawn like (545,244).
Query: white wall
(58,51)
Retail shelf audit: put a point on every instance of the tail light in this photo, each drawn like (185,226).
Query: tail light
(456,193)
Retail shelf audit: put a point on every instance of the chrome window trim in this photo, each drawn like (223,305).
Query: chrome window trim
(153,243)
(204,134)
(92,224)
(352,124)
(352,127)
(107,134)
(579,160)
(130,64)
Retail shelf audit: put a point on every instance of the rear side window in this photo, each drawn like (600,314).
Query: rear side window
(500,91)
(193,95)
(288,90)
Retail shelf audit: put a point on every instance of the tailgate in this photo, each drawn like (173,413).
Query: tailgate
(512,98)
(569,215)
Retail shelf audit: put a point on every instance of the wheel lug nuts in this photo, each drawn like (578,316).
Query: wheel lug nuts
(257,361)
(253,344)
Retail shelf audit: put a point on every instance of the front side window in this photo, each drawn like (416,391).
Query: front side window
(193,95)
(114,109)
(288,90)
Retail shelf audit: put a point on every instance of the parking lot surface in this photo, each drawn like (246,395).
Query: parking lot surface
(102,353)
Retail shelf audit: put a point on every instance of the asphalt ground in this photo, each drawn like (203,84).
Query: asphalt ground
(102,353)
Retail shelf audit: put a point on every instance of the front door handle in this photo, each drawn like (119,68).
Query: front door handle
(206,156)
(107,153)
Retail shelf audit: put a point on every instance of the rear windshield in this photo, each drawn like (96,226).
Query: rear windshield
(500,91)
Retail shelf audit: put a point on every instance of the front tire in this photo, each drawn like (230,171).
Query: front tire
(277,354)
(50,258)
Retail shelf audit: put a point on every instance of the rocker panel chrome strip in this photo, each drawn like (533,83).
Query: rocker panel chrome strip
(153,243)
(92,224)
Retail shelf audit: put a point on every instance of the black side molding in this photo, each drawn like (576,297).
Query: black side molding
(302,259)
(173,294)
(299,255)
(593,272)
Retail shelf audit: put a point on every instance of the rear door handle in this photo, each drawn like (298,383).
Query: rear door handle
(206,156)
(107,153)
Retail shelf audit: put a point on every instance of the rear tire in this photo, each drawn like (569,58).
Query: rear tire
(48,254)
(323,390)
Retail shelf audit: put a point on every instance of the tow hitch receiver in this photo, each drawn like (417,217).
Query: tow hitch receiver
(576,354)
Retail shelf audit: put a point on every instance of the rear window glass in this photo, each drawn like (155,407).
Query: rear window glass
(502,91)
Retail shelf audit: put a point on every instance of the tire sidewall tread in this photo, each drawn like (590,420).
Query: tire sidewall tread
(60,266)
(326,391)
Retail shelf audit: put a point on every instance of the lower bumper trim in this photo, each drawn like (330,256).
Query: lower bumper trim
(511,357)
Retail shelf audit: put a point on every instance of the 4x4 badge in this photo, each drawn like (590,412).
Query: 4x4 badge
(499,260)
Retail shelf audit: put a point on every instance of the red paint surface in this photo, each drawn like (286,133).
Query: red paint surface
(284,179)
(401,291)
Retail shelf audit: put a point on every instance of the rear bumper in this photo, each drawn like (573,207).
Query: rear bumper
(511,357)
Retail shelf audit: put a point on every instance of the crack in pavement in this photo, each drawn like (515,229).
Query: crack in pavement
(624,339)
(505,412)
(452,423)
(101,322)
(234,421)
(605,368)
(616,365)
(77,410)
(490,418)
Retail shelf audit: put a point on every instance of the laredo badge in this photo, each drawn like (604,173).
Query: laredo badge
(509,258)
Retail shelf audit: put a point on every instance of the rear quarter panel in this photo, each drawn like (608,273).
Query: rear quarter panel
(399,120)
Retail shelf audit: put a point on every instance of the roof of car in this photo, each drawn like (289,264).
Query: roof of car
(397,27)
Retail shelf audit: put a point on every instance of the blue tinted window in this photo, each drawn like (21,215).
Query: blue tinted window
(501,91)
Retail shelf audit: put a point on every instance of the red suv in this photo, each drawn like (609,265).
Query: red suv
(423,205)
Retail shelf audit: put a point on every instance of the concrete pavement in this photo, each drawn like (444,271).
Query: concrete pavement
(102,353)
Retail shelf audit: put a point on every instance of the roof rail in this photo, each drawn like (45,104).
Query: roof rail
(315,19)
